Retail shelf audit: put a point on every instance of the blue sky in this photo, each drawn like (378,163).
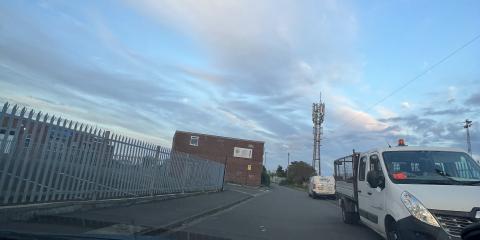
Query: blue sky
(249,69)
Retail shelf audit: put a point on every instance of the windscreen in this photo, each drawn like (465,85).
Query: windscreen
(431,167)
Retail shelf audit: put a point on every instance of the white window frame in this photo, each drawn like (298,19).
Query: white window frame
(192,138)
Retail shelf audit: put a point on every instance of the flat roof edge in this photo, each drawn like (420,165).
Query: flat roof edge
(210,135)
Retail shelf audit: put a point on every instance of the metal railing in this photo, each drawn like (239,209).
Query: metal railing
(45,159)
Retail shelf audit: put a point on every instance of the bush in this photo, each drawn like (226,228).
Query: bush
(299,172)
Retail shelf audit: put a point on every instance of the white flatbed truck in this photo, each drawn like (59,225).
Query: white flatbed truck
(410,192)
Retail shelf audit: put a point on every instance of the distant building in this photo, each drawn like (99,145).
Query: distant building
(243,158)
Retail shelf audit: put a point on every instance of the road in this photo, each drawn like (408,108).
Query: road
(281,213)
(237,213)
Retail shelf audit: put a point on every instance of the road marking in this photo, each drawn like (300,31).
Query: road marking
(199,220)
(250,194)
(121,229)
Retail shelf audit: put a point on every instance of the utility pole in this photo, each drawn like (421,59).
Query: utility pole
(288,163)
(265,160)
(467,125)
(318,114)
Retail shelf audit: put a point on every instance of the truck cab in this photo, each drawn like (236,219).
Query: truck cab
(410,192)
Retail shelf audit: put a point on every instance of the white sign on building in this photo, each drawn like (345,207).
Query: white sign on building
(242,152)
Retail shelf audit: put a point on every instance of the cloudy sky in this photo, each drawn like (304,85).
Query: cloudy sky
(250,69)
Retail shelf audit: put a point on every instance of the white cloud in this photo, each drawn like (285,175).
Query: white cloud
(452,92)
(405,105)
(360,120)
(265,43)
(385,112)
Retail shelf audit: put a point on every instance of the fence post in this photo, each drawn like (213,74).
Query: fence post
(100,163)
(224,172)
(156,159)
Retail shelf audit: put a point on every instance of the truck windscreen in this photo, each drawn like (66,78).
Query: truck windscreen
(431,167)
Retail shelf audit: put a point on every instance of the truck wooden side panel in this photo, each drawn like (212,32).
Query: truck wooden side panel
(345,188)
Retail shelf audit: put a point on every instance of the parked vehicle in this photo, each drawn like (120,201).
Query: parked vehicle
(321,186)
(410,192)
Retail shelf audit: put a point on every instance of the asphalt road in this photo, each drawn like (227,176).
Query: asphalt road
(281,213)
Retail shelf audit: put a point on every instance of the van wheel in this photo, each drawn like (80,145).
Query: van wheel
(392,232)
(347,217)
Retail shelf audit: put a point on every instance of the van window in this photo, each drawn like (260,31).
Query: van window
(375,163)
(361,168)
(431,167)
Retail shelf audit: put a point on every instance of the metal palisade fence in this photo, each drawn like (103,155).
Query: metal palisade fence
(45,159)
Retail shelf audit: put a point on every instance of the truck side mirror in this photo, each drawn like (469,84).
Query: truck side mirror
(376,179)
(381,181)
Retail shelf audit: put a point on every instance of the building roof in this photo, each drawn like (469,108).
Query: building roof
(215,136)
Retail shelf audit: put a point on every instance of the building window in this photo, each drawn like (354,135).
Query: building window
(194,140)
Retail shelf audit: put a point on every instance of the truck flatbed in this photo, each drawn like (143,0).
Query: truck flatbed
(345,176)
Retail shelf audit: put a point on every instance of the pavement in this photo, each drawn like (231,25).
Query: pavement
(145,218)
(237,213)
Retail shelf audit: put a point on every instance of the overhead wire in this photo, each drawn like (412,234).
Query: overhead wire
(418,76)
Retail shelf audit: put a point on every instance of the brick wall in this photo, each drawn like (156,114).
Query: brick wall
(221,149)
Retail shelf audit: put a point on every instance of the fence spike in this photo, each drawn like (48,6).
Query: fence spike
(114,138)
(52,119)
(45,118)
(59,119)
(5,107)
(14,110)
(70,124)
(22,116)
(31,113)
(23,111)
(39,115)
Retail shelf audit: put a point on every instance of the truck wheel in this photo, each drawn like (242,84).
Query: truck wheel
(347,217)
(392,232)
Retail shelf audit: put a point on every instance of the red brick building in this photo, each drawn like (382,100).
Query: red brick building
(243,158)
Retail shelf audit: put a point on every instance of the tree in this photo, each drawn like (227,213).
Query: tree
(280,172)
(299,172)
(265,178)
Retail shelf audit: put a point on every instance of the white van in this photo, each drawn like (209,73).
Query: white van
(321,186)
(410,192)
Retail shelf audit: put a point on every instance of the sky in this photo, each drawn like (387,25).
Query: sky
(251,69)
